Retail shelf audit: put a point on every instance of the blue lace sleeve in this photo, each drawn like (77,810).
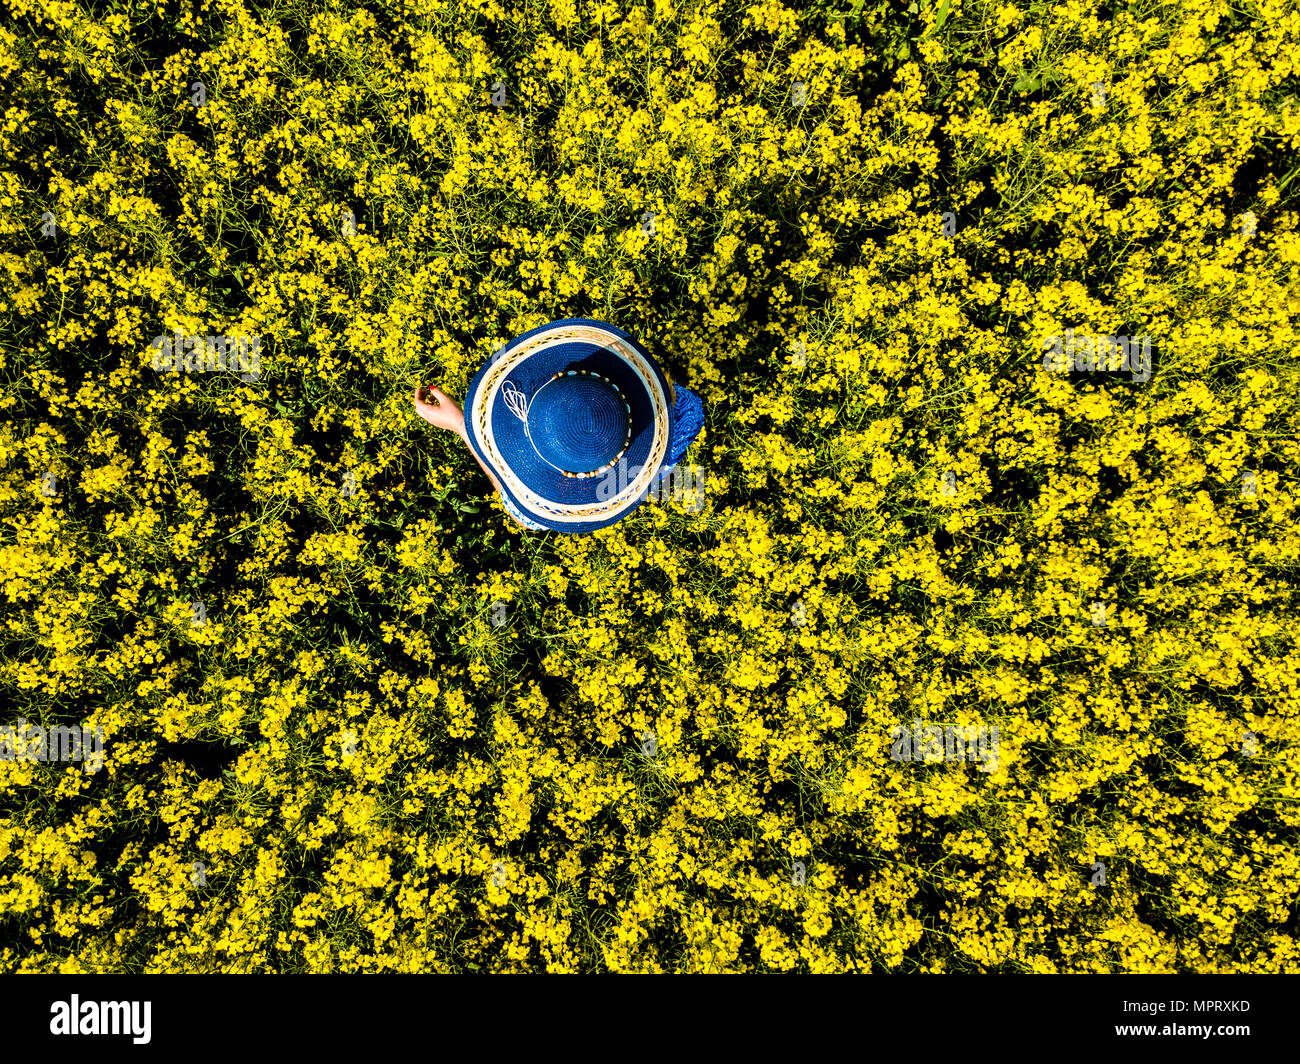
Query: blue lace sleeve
(687,423)
(527,522)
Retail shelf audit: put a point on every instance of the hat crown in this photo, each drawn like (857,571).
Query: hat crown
(578,422)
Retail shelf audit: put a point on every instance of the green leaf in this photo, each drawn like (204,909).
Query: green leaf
(943,16)
(904,51)
(1027,83)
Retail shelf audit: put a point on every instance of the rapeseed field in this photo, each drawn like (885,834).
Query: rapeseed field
(974,649)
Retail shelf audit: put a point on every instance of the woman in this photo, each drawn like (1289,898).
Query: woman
(573,422)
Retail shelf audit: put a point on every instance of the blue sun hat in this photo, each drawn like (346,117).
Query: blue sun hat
(575,419)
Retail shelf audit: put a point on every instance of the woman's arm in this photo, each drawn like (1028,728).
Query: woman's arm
(491,476)
(445,414)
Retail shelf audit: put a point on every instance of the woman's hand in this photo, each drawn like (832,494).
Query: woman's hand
(442,411)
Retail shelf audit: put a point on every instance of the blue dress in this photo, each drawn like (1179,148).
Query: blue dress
(686,426)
